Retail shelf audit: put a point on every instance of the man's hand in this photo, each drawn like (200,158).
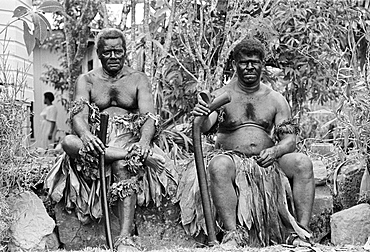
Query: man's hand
(201,108)
(92,144)
(143,150)
(267,157)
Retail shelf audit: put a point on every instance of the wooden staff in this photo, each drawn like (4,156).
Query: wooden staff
(103,137)
(199,162)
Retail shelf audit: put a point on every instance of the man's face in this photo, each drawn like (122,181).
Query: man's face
(249,68)
(112,55)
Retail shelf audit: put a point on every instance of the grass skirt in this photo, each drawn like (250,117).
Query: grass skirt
(76,181)
(262,205)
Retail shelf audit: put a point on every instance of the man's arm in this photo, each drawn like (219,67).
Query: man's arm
(286,139)
(81,119)
(146,105)
(202,109)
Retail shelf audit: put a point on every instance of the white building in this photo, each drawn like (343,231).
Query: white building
(13,49)
(33,65)
(15,61)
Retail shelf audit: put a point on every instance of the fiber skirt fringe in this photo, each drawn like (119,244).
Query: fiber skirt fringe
(262,205)
(76,181)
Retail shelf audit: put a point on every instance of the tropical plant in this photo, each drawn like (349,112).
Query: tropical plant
(41,25)
(13,149)
(318,42)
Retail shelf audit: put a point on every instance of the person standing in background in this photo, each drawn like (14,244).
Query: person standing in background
(48,122)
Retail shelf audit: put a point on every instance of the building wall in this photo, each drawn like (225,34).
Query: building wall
(32,66)
(40,58)
(13,48)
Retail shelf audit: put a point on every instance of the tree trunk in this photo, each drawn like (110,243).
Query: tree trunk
(125,10)
(133,35)
(104,13)
(77,33)
(148,63)
(163,55)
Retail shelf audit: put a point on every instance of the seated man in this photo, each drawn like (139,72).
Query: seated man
(125,94)
(244,129)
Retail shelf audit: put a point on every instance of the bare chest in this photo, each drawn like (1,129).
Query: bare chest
(248,109)
(121,93)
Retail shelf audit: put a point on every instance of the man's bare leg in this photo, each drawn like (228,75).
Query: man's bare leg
(222,174)
(298,168)
(125,210)
(72,144)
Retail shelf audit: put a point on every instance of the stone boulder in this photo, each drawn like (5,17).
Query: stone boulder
(351,226)
(33,228)
(320,172)
(321,212)
(348,185)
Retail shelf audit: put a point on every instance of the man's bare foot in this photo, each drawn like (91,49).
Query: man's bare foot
(294,240)
(156,162)
(125,244)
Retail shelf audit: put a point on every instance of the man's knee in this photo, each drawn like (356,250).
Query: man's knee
(71,144)
(303,165)
(221,168)
(296,164)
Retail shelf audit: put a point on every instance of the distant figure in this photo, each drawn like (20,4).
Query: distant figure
(48,122)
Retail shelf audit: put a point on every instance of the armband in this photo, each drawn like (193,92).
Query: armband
(286,127)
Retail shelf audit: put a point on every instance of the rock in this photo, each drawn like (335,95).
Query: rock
(321,212)
(323,200)
(348,185)
(33,228)
(323,149)
(351,226)
(320,172)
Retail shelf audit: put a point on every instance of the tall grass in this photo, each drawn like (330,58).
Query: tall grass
(13,149)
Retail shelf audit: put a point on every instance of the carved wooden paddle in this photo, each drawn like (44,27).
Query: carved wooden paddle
(103,137)
(199,162)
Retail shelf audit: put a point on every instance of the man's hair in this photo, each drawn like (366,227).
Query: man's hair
(109,33)
(49,96)
(249,46)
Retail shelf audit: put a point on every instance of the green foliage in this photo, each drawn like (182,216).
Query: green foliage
(41,26)
(353,120)
(19,169)
(12,150)
(317,44)
(5,220)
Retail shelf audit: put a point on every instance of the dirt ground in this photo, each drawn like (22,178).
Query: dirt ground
(278,248)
